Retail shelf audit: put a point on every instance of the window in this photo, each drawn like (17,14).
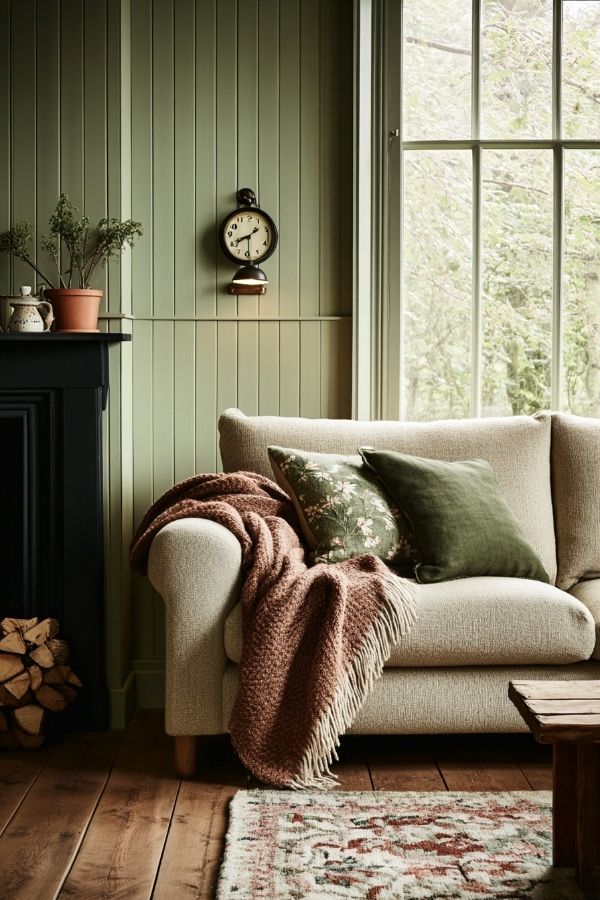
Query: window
(495,206)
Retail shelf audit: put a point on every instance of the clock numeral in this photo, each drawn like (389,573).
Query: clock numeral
(240,219)
(234,226)
(264,243)
(229,233)
(249,218)
(247,254)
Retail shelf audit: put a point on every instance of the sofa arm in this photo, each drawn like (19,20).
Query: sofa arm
(195,565)
(588,593)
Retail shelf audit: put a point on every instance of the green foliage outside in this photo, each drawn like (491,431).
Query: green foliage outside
(517,191)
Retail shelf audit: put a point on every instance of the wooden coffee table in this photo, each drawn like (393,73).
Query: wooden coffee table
(566,714)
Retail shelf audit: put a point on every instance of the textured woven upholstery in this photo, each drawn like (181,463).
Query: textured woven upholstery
(482,622)
(195,565)
(588,593)
(518,450)
(440,678)
(438,701)
(576,495)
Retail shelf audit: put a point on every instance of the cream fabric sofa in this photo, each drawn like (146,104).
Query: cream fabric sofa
(473,635)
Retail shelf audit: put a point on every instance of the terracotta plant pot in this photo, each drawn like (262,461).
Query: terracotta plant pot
(75,309)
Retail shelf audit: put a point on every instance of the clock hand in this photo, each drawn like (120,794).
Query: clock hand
(245,237)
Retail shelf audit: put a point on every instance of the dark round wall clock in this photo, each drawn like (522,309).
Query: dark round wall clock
(248,236)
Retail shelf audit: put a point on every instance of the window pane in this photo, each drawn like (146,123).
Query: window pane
(581,336)
(517,280)
(436,328)
(516,69)
(436,69)
(581,69)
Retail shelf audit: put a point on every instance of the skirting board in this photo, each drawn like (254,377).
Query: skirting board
(123,703)
(144,688)
(150,683)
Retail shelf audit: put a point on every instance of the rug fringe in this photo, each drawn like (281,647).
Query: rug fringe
(398,613)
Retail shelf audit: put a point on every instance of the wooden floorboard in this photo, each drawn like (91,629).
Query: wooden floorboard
(352,770)
(76,828)
(196,836)
(478,768)
(535,762)
(121,851)
(396,764)
(40,843)
(192,855)
(18,771)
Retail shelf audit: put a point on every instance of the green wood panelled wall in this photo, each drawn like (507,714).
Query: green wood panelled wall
(65,126)
(161,109)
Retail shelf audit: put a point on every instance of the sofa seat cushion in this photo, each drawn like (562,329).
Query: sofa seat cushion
(588,593)
(482,622)
(516,447)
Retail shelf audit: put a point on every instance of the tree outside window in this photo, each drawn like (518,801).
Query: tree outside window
(500,292)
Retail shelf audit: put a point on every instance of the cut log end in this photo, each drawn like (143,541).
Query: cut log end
(13,643)
(35,674)
(50,698)
(43,656)
(10,666)
(56,675)
(35,679)
(41,632)
(19,685)
(30,718)
(59,650)
(73,679)
(7,625)
(28,741)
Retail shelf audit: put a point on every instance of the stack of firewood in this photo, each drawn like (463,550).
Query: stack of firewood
(35,678)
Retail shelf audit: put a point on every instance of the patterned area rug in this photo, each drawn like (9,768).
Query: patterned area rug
(386,846)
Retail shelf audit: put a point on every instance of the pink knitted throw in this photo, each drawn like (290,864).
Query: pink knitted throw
(315,637)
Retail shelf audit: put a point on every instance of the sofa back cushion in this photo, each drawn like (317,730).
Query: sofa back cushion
(517,449)
(463,525)
(576,495)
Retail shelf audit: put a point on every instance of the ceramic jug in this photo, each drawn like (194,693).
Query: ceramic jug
(29,313)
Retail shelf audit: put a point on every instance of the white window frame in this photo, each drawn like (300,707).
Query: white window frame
(392,147)
(362,245)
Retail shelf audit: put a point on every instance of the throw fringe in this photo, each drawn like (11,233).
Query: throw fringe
(397,616)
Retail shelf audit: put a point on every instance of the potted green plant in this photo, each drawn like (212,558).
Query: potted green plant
(82,249)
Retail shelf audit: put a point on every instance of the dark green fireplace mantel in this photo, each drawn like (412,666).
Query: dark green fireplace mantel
(53,389)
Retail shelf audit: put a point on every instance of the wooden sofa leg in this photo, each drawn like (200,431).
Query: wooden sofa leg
(185,755)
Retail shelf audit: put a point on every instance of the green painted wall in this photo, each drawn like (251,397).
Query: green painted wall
(65,126)
(161,110)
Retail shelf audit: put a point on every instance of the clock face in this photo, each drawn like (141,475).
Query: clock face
(248,236)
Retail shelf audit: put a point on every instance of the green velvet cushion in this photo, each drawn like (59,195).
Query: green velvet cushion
(462,524)
(343,508)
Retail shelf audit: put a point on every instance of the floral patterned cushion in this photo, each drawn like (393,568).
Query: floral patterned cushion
(343,508)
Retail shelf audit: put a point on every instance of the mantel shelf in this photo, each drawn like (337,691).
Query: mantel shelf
(102,337)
